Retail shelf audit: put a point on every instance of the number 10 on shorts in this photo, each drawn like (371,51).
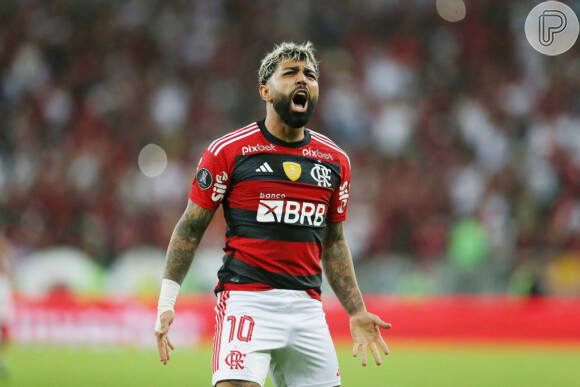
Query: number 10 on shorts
(245,328)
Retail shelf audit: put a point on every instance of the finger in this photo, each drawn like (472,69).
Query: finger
(161,348)
(375,353)
(169,343)
(164,359)
(160,353)
(363,355)
(381,323)
(383,345)
(162,343)
(167,355)
(355,349)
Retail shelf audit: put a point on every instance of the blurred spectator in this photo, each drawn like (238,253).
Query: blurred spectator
(6,302)
(465,142)
(563,274)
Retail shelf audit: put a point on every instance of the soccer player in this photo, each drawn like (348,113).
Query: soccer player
(284,190)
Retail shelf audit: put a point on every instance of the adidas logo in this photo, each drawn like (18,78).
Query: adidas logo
(264,168)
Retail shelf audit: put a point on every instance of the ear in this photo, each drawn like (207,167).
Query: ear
(266,93)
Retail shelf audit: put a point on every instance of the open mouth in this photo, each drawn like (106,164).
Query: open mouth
(300,100)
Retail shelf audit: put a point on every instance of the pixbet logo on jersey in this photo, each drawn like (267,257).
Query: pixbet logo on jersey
(258,148)
(316,153)
(291,212)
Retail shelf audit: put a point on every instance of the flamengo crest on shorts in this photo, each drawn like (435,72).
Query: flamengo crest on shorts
(277,198)
(235,360)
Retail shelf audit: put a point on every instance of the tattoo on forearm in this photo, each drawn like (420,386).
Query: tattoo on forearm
(185,240)
(337,264)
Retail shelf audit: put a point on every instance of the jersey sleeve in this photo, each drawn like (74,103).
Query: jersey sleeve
(339,198)
(212,180)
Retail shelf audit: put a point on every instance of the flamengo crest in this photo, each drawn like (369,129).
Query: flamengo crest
(235,360)
(321,174)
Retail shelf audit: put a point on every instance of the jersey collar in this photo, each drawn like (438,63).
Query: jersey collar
(275,140)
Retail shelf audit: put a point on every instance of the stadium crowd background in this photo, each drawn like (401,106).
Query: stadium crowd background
(464,141)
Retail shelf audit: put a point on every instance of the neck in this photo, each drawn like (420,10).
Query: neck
(280,129)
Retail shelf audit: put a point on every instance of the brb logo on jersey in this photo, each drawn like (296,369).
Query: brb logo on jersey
(291,212)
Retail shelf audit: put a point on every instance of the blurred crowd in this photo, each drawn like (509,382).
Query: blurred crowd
(464,141)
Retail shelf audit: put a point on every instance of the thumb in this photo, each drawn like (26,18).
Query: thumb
(381,323)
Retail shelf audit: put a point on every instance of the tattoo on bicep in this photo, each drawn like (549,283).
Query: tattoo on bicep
(184,241)
(193,222)
(333,233)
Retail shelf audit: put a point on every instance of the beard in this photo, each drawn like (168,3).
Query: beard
(283,106)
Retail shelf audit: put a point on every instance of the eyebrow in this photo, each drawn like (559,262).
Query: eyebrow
(307,69)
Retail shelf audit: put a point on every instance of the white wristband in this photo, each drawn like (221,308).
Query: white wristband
(167,298)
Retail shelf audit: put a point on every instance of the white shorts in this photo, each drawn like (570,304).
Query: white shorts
(281,331)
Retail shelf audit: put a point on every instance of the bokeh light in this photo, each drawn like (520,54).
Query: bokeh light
(451,10)
(152,160)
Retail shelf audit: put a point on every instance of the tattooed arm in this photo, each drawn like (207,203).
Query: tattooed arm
(185,240)
(339,270)
(182,247)
(337,264)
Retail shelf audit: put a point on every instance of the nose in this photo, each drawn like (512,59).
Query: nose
(300,78)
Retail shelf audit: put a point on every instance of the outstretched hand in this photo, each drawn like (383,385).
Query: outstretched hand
(364,328)
(163,342)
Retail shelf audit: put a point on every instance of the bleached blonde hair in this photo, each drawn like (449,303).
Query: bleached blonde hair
(283,52)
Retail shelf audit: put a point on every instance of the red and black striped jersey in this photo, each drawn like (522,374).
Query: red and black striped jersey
(277,197)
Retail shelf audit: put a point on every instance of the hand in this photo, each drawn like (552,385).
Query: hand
(364,328)
(163,342)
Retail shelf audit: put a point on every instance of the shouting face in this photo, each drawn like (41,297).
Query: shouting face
(294,92)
